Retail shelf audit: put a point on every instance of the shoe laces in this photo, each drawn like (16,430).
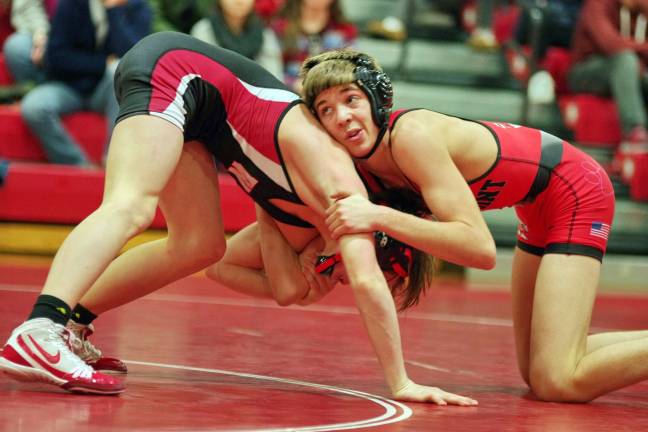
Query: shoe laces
(82,345)
(65,340)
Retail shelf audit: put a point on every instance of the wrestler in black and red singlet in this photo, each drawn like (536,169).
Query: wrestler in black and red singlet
(563,198)
(220,98)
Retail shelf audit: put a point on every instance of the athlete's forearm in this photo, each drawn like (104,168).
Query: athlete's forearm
(323,172)
(281,263)
(242,279)
(241,269)
(376,306)
(454,241)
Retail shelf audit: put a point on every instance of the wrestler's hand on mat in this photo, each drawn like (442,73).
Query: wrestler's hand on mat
(413,392)
(352,214)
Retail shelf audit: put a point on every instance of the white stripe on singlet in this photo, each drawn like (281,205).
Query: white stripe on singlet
(270,94)
(176,112)
(268,166)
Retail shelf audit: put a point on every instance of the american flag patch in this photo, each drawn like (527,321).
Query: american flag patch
(600,229)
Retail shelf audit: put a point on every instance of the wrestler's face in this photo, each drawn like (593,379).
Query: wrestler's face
(345,113)
(236,8)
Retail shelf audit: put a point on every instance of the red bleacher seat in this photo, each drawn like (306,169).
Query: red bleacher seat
(557,61)
(593,120)
(5,21)
(17,142)
(41,192)
(46,193)
(5,31)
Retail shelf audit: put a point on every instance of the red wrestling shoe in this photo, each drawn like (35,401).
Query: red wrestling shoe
(40,351)
(91,354)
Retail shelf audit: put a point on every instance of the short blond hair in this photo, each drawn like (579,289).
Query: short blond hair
(330,69)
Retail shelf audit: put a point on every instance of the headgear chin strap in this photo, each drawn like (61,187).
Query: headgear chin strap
(378,88)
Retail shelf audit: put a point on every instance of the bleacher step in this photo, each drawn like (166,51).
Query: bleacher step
(46,239)
(18,143)
(58,194)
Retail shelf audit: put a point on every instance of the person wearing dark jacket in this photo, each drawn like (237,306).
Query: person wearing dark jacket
(87,38)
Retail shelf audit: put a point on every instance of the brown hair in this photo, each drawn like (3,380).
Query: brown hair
(291,11)
(330,69)
(423,267)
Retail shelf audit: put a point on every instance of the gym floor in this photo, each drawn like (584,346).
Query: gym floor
(202,358)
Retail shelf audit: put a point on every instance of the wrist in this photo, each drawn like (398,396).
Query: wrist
(383,216)
(400,386)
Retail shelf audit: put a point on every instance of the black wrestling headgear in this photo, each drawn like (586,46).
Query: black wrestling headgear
(378,88)
(391,254)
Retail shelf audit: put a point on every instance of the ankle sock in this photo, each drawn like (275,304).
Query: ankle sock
(81,315)
(51,307)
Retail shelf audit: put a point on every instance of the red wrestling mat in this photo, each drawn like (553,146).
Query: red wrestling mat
(202,358)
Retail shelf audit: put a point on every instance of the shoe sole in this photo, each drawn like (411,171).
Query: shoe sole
(84,390)
(112,371)
(109,370)
(30,374)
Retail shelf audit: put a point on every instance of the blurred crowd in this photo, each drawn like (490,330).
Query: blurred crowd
(61,54)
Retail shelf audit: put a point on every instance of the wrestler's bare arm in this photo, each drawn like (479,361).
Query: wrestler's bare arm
(321,169)
(458,232)
(242,269)
(291,279)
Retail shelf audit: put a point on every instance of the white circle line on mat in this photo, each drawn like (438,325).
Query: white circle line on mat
(394,411)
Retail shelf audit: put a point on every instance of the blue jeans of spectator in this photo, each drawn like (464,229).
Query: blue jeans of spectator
(43,107)
(17,53)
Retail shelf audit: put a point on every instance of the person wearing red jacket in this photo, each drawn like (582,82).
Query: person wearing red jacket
(610,55)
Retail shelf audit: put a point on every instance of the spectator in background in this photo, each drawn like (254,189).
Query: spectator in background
(544,24)
(309,27)
(556,24)
(267,9)
(234,25)
(87,38)
(24,50)
(610,55)
(179,15)
(482,37)
(394,25)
